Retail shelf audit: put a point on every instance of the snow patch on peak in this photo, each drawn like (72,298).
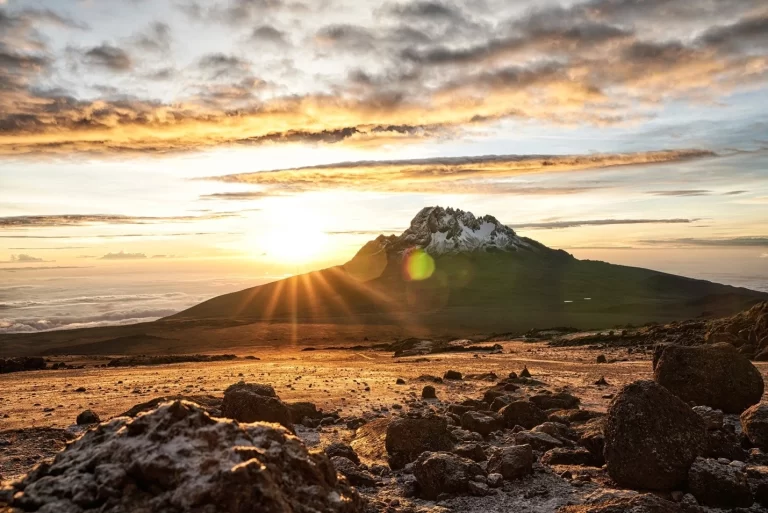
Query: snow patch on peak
(441,231)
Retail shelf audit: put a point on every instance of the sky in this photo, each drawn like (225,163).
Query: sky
(156,153)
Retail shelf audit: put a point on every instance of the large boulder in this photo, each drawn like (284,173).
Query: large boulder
(481,423)
(651,437)
(512,462)
(523,413)
(559,401)
(754,423)
(251,402)
(408,437)
(717,376)
(442,472)
(87,417)
(178,459)
(719,485)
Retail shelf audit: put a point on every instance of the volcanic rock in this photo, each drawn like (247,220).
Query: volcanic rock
(343,450)
(651,437)
(177,459)
(716,376)
(566,456)
(87,417)
(350,470)
(482,423)
(452,374)
(560,401)
(522,413)
(249,402)
(754,422)
(718,485)
(442,472)
(428,392)
(512,462)
(408,437)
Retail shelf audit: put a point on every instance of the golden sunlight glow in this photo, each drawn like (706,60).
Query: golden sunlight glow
(294,235)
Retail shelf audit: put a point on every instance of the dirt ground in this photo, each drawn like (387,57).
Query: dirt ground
(351,382)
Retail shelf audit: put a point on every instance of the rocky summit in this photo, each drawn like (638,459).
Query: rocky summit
(440,231)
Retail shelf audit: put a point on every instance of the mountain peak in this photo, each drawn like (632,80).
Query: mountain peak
(439,231)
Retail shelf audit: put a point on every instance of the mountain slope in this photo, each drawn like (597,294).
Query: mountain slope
(480,275)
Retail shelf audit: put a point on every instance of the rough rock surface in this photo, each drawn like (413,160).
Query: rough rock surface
(754,422)
(179,459)
(512,462)
(651,437)
(523,413)
(343,450)
(349,469)
(87,417)
(408,437)
(251,402)
(718,485)
(717,376)
(481,423)
(443,472)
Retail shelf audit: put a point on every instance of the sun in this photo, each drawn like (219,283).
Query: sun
(293,236)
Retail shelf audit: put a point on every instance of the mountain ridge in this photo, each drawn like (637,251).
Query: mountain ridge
(481,273)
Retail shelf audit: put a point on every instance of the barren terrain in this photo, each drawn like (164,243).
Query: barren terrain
(351,381)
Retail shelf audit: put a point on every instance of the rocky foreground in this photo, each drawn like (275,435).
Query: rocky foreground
(693,439)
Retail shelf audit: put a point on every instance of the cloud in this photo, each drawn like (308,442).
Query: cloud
(240,196)
(156,38)
(599,62)
(24,259)
(124,256)
(119,235)
(39,268)
(599,222)
(219,65)
(268,34)
(108,57)
(426,10)
(470,175)
(682,192)
(90,219)
(756,241)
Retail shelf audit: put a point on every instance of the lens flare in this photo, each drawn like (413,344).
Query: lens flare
(418,265)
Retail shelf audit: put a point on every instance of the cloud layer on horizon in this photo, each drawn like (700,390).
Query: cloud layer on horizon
(452,66)
(463,175)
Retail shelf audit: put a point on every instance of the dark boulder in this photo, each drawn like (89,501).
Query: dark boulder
(304,410)
(716,376)
(470,451)
(428,392)
(352,471)
(87,417)
(512,462)
(343,450)
(408,437)
(452,375)
(246,402)
(482,423)
(523,413)
(444,473)
(568,456)
(559,401)
(754,423)
(719,485)
(651,437)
